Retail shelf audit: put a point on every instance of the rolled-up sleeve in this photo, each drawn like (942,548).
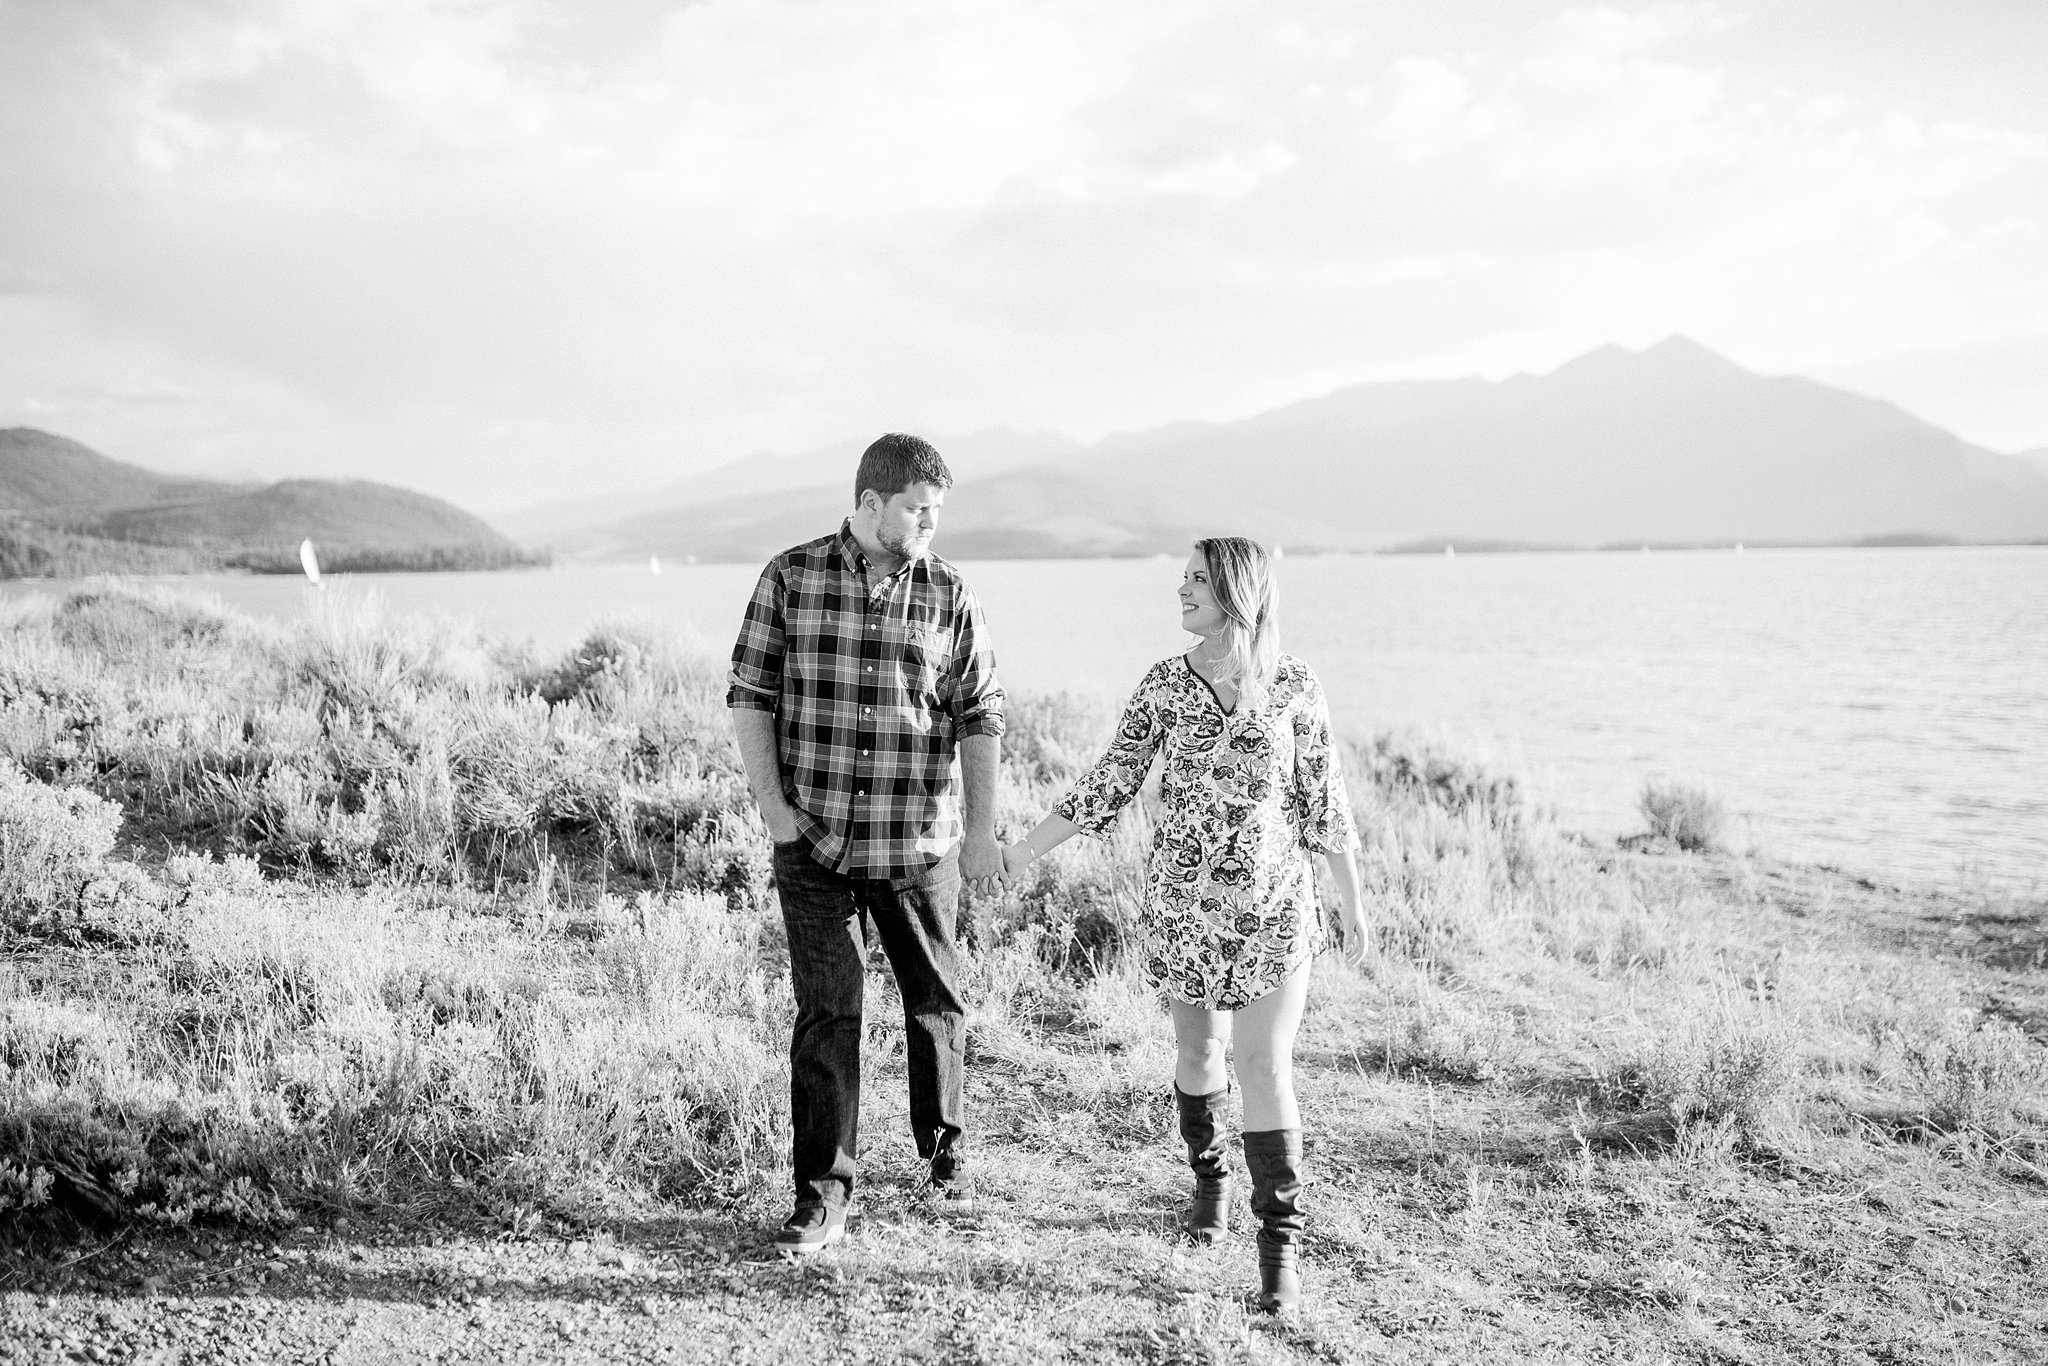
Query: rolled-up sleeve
(756,678)
(976,701)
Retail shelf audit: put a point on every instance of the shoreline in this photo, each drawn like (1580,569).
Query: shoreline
(1786,738)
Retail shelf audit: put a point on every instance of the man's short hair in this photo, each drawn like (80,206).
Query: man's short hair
(895,462)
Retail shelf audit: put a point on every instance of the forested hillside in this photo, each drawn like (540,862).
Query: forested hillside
(66,510)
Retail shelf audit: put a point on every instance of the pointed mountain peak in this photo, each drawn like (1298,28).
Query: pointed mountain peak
(1676,358)
(1677,352)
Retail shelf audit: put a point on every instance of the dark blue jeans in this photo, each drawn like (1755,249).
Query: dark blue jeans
(828,916)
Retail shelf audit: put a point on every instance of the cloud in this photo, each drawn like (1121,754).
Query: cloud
(759,108)
(1228,175)
(451,240)
(89,377)
(1598,100)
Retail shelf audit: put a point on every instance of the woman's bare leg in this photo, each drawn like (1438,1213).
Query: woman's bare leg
(1200,1040)
(1264,1054)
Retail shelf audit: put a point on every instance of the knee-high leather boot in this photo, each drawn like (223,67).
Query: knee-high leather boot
(1201,1127)
(1274,1157)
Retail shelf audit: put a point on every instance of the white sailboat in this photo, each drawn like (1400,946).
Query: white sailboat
(654,565)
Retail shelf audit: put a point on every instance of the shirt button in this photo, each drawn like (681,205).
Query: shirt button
(863,754)
(867,711)
(862,793)
(871,668)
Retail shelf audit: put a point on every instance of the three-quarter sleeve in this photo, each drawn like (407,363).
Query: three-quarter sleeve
(756,677)
(1108,786)
(1321,805)
(975,698)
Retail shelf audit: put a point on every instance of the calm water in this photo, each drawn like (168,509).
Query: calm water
(1883,710)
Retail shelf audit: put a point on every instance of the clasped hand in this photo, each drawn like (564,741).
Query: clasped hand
(1016,858)
(987,866)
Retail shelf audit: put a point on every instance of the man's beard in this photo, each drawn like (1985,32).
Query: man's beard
(907,547)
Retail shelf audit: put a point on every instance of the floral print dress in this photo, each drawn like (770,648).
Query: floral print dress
(1230,901)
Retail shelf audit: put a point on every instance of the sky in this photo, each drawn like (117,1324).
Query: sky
(512,251)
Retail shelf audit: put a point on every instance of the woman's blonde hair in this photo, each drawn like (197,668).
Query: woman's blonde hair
(1241,577)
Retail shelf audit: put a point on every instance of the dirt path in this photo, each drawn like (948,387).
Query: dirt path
(906,1286)
(421,1295)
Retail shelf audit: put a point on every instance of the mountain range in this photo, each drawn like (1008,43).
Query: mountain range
(66,509)
(985,453)
(1670,445)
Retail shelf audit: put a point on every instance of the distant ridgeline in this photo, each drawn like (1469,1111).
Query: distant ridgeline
(66,510)
(1672,446)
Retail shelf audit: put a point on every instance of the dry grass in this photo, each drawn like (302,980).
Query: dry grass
(444,928)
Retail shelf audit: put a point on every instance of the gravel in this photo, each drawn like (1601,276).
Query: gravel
(355,1293)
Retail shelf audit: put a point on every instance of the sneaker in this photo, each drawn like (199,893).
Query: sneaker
(811,1228)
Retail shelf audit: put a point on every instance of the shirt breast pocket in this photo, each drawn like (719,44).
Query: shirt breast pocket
(925,652)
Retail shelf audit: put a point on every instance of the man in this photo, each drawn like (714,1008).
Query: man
(863,665)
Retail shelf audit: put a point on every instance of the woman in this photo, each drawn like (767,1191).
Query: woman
(1250,789)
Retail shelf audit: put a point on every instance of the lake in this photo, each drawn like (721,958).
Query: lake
(1884,710)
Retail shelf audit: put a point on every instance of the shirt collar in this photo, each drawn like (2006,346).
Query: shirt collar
(849,548)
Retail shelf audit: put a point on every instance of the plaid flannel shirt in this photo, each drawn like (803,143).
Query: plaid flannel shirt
(871,683)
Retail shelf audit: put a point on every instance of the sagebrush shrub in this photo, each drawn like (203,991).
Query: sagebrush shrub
(137,627)
(1741,1073)
(1689,817)
(1421,772)
(53,842)
(297,1048)
(1975,1073)
(49,1044)
(1459,1046)
(148,1159)
(1054,738)
(416,822)
(354,745)
(1081,926)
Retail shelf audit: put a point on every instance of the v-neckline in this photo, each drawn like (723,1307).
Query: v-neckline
(1214,696)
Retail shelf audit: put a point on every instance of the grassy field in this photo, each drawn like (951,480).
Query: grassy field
(373,920)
